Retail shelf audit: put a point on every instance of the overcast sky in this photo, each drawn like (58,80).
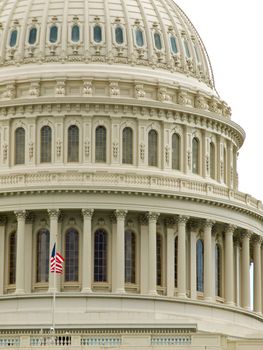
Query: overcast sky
(232,33)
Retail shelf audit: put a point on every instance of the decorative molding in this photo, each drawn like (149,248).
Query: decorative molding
(153,216)
(54,213)
(87,213)
(120,214)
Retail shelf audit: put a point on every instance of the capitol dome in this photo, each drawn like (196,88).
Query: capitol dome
(116,147)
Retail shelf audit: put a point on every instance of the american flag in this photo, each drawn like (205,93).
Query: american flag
(56,261)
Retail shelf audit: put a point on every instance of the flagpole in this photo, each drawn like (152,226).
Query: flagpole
(54,299)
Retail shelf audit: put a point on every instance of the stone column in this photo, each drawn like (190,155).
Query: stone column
(120,251)
(257,275)
(2,253)
(170,230)
(86,251)
(20,251)
(29,278)
(229,265)
(245,279)
(181,263)
(152,217)
(144,253)
(208,264)
(54,216)
(194,228)
(237,247)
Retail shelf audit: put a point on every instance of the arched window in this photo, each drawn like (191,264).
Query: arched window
(212,160)
(20,146)
(218,268)
(13,38)
(159,259)
(157,41)
(43,255)
(45,144)
(75,33)
(200,265)
(173,43)
(153,148)
(100,256)
(186,47)
(119,38)
(130,256)
(97,34)
(195,155)
(127,146)
(176,261)
(101,141)
(72,256)
(53,34)
(139,37)
(73,143)
(32,38)
(225,166)
(176,152)
(12,258)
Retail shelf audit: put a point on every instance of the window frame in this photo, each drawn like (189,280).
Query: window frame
(17,148)
(40,145)
(143,37)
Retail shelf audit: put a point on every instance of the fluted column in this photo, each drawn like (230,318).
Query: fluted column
(245,281)
(53,216)
(229,265)
(208,264)
(2,253)
(86,251)
(20,251)
(257,275)
(152,217)
(194,228)
(120,251)
(170,233)
(181,264)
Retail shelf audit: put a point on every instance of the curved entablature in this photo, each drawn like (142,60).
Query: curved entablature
(154,34)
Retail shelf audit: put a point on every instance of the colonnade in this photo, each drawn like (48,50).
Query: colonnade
(236,257)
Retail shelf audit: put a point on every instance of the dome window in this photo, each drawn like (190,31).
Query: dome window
(13,38)
(97,34)
(75,34)
(53,34)
(158,41)
(139,38)
(186,47)
(173,45)
(119,35)
(32,38)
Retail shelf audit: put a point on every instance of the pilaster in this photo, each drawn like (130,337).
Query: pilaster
(120,251)
(181,263)
(208,275)
(229,264)
(87,251)
(245,277)
(152,264)
(3,221)
(20,252)
(53,216)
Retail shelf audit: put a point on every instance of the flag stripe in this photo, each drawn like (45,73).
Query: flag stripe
(56,261)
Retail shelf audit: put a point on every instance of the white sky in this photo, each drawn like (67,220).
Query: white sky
(232,33)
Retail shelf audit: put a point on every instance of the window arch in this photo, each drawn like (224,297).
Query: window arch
(218,268)
(127,146)
(20,146)
(130,257)
(97,34)
(32,38)
(43,238)
(153,148)
(195,155)
(101,141)
(176,151)
(139,39)
(157,41)
(173,43)
(75,33)
(13,38)
(100,255)
(73,143)
(45,144)
(212,160)
(72,255)
(200,265)
(12,258)
(53,34)
(176,261)
(119,37)
(159,246)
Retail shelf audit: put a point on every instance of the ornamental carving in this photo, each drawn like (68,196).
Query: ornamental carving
(153,216)
(170,222)
(20,215)
(87,148)
(54,213)
(60,89)
(230,229)
(213,105)
(59,146)
(200,102)
(115,149)
(139,91)
(143,219)
(114,89)
(120,214)
(164,96)
(3,220)
(34,90)
(87,89)
(167,154)
(183,98)
(142,151)
(31,150)
(182,220)
(10,92)
(5,151)
(87,213)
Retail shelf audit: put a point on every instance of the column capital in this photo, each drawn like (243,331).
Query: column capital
(30,217)
(170,221)
(20,215)
(194,225)
(256,239)
(3,220)
(54,213)
(87,213)
(182,219)
(143,219)
(246,234)
(120,214)
(153,216)
(230,229)
(208,224)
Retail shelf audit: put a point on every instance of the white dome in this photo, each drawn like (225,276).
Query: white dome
(63,31)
